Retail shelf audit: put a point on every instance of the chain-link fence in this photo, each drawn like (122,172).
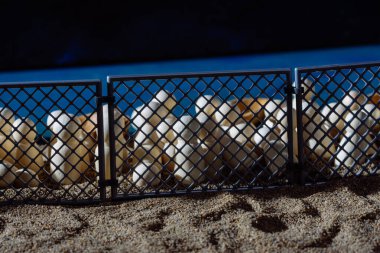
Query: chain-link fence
(200,132)
(63,142)
(48,136)
(339,124)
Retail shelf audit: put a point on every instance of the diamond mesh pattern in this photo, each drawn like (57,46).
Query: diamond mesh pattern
(179,134)
(192,133)
(47,136)
(340,121)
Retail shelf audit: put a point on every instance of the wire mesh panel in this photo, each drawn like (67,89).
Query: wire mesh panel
(48,136)
(339,121)
(199,132)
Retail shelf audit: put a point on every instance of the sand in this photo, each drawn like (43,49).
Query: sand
(340,216)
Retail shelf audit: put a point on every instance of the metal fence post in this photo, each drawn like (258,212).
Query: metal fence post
(299,110)
(111,134)
(100,120)
(289,99)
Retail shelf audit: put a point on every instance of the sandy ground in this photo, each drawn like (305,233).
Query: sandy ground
(340,216)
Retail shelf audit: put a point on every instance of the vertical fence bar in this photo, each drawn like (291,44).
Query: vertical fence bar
(100,121)
(289,98)
(111,122)
(299,92)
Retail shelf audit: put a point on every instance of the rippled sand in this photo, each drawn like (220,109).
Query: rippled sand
(340,216)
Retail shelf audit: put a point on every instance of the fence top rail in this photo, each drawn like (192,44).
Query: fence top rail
(49,83)
(338,66)
(117,78)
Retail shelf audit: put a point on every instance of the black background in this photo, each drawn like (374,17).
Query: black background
(40,34)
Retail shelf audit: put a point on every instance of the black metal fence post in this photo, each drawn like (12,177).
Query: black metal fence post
(111,122)
(100,121)
(292,167)
(298,100)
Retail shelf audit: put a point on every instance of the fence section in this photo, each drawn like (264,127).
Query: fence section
(200,132)
(339,121)
(63,142)
(49,142)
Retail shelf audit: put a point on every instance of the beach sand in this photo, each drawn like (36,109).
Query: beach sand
(340,216)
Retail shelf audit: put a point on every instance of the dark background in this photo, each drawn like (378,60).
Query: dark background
(41,34)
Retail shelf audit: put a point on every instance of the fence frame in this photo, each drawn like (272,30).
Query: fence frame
(101,189)
(300,96)
(288,91)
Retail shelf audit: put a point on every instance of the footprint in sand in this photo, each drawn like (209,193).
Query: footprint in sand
(241,204)
(215,215)
(213,239)
(2,225)
(376,248)
(310,210)
(325,238)
(370,216)
(158,222)
(269,224)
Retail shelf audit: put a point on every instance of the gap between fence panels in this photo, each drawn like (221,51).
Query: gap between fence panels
(164,135)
